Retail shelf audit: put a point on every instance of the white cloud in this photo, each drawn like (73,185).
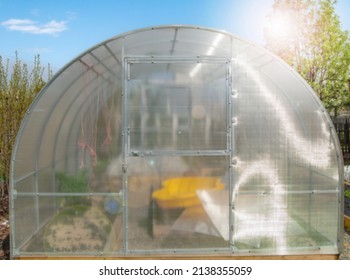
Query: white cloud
(11,22)
(52,27)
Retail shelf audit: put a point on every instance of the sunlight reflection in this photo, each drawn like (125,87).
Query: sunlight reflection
(252,225)
(319,155)
(209,52)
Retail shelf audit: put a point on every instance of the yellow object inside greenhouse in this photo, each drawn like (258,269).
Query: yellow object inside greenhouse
(180,192)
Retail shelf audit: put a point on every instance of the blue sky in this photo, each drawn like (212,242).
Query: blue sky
(61,30)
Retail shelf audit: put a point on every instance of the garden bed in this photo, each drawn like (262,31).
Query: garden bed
(347,223)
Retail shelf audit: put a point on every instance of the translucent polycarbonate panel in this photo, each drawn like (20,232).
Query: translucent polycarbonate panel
(179,42)
(181,166)
(147,174)
(58,88)
(316,211)
(27,219)
(285,221)
(65,144)
(313,131)
(45,180)
(280,150)
(140,43)
(174,231)
(110,60)
(202,43)
(301,178)
(34,213)
(26,184)
(93,227)
(250,55)
(273,128)
(177,106)
(115,47)
(112,176)
(189,216)
(45,148)
(26,158)
(260,221)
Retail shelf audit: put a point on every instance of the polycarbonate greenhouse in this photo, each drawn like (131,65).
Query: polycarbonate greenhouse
(176,141)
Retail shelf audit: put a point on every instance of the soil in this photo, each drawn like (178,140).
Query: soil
(93,228)
(4,226)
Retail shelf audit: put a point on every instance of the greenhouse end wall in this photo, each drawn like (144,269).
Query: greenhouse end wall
(176,141)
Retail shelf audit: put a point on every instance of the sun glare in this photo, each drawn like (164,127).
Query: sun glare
(279,26)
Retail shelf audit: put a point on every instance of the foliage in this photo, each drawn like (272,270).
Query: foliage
(18,87)
(77,183)
(347,193)
(73,183)
(314,44)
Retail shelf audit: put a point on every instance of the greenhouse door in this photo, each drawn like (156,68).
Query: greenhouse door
(177,127)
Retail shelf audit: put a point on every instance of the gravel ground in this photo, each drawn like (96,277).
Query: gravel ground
(345,255)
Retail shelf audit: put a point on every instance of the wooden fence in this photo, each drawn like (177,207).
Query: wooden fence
(342,126)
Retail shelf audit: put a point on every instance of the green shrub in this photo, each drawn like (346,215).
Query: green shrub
(18,88)
(77,183)
(347,193)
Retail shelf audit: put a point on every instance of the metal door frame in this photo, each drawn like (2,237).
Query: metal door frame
(127,152)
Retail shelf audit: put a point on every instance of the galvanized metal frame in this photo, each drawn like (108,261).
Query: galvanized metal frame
(128,60)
